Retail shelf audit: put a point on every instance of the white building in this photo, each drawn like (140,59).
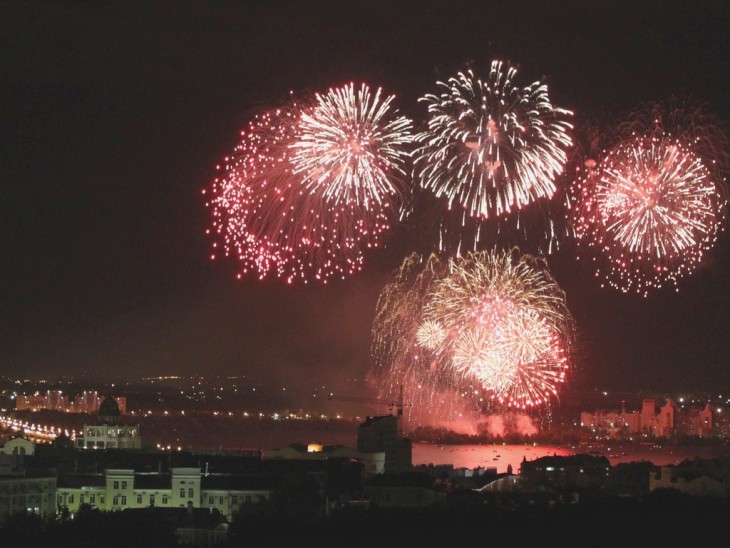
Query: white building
(119,489)
(109,432)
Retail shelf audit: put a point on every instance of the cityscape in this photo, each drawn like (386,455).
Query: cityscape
(101,458)
(311,272)
(161,402)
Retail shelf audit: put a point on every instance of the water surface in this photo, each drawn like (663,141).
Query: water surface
(501,456)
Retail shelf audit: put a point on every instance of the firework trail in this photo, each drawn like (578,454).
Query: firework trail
(490,149)
(400,360)
(483,331)
(311,186)
(654,204)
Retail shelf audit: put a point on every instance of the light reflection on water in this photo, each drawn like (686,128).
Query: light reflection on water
(501,456)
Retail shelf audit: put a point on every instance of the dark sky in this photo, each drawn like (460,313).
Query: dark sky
(115,114)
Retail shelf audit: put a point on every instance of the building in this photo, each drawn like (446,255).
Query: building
(18,445)
(373,461)
(183,487)
(651,421)
(26,493)
(688,482)
(507,483)
(109,432)
(197,526)
(381,434)
(12,455)
(55,400)
(666,420)
(700,422)
(33,402)
(411,490)
(565,473)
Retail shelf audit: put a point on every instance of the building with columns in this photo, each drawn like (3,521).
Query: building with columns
(109,432)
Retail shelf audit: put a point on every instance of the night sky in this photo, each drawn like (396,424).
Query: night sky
(115,114)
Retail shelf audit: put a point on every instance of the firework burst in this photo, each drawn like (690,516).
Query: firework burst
(491,148)
(654,204)
(510,328)
(312,186)
(486,329)
(351,149)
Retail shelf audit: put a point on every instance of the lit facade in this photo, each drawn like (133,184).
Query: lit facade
(120,489)
(651,421)
(109,432)
(88,401)
(109,436)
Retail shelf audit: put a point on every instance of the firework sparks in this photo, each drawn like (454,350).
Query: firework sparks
(351,150)
(652,207)
(430,334)
(311,186)
(433,391)
(509,324)
(491,148)
(489,327)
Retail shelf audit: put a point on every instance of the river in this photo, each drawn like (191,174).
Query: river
(500,456)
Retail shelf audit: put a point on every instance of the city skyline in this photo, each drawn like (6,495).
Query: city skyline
(115,118)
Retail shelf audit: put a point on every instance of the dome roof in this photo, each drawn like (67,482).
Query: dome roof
(109,407)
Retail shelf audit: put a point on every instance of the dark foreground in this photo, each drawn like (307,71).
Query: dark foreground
(663,516)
